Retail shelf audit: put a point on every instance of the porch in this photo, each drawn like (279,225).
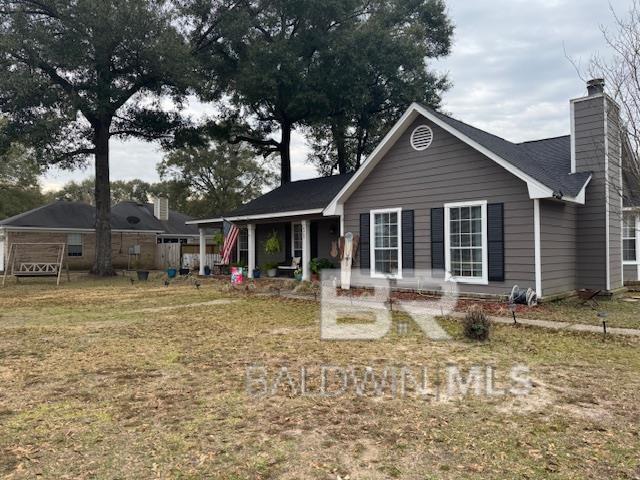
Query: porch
(297,237)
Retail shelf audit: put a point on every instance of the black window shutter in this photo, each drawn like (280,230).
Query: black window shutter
(365,262)
(495,241)
(314,239)
(408,261)
(287,241)
(437,241)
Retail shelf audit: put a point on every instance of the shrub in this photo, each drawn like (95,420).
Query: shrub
(476,325)
(319,264)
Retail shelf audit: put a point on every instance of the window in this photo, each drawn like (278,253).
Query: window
(74,245)
(629,238)
(466,242)
(386,256)
(243,246)
(296,240)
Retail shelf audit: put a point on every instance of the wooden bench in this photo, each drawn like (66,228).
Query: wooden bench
(36,270)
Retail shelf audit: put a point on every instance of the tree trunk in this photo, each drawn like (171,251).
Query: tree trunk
(285,154)
(339,140)
(103,266)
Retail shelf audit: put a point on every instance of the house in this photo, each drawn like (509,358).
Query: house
(486,212)
(138,232)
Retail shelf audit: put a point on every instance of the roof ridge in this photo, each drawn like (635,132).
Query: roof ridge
(469,125)
(543,139)
(316,178)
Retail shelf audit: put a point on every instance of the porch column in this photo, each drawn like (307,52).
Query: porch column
(251,260)
(203,250)
(306,250)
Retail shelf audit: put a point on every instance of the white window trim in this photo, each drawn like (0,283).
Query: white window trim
(484,280)
(637,260)
(81,244)
(293,237)
(238,243)
(372,240)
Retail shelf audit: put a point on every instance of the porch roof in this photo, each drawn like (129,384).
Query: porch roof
(303,197)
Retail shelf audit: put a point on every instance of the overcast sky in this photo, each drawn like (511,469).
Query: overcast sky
(508,68)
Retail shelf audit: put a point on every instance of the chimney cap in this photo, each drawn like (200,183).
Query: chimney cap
(595,86)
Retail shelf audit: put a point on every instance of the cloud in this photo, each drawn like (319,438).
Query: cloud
(508,66)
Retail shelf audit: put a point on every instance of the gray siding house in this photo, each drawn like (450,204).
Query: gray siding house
(557,214)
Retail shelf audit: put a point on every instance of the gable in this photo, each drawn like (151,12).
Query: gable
(514,158)
(449,170)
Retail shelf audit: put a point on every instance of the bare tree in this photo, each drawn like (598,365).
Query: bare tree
(621,72)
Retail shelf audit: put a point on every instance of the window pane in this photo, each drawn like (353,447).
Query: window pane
(629,250)
(465,241)
(386,242)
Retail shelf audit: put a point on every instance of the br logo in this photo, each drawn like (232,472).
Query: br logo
(367,315)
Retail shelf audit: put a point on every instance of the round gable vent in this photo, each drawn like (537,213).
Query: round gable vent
(133,220)
(421,137)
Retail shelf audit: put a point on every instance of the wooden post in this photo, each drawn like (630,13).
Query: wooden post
(60,259)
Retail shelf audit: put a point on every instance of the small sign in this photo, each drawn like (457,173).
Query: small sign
(237,275)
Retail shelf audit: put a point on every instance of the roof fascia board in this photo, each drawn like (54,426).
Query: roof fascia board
(177,235)
(261,216)
(535,187)
(258,216)
(205,220)
(580,198)
(383,147)
(11,228)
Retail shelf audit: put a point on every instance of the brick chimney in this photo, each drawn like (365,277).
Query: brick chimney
(161,208)
(596,148)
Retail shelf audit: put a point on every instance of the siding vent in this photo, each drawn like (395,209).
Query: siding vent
(421,137)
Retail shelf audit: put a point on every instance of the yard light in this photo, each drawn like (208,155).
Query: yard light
(603,316)
(513,307)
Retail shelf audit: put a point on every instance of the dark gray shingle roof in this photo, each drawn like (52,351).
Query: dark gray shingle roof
(174,226)
(64,214)
(301,195)
(547,160)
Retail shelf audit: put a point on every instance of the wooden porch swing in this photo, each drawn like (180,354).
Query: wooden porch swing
(25,267)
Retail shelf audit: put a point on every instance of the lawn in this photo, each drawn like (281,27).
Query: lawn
(113,380)
(621,311)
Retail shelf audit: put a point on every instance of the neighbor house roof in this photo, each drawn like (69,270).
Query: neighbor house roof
(174,226)
(132,216)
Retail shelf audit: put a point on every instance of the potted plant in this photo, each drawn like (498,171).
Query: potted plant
(317,265)
(272,244)
(297,274)
(143,275)
(271,269)
(172,271)
(218,239)
(256,272)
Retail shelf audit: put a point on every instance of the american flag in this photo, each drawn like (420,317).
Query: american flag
(230,231)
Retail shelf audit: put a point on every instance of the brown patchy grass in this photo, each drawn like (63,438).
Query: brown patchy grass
(94,388)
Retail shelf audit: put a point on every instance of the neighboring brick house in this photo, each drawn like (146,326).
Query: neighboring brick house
(137,231)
